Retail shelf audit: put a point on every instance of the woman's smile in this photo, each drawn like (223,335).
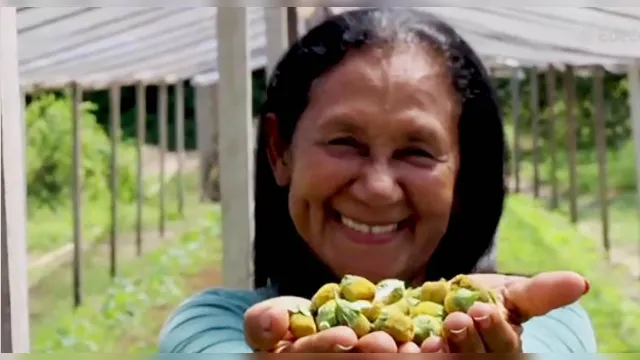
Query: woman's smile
(370,233)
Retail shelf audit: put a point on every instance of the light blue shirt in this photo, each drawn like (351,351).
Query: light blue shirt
(212,322)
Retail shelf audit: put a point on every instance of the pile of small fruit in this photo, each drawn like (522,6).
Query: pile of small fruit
(406,314)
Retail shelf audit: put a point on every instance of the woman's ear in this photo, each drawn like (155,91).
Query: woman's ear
(277,151)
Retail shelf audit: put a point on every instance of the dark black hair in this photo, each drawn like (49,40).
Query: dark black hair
(281,257)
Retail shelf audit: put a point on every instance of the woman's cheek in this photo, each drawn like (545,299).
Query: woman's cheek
(320,172)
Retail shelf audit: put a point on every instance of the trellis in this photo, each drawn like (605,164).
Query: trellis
(90,48)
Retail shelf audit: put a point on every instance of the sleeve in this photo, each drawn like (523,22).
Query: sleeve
(210,322)
(564,330)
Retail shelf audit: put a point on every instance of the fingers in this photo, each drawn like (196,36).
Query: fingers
(461,334)
(409,348)
(267,323)
(377,342)
(495,331)
(434,344)
(335,340)
(537,296)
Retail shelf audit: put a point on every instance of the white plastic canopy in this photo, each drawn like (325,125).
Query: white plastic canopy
(96,47)
(102,45)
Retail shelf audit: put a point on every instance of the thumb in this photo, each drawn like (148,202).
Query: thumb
(527,298)
(267,323)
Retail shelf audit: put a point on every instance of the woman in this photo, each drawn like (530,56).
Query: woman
(371,126)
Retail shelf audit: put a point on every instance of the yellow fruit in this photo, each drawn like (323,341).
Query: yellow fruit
(460,300)
(434,291)
(389,291)
(326,317)
(327,292)
(301,323)
(404,305)
(425,327)
(428,308)
(348,315)
(368,309)
(398,325)
(354,288)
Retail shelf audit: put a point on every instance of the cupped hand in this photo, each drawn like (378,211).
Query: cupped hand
(484,330)
(266,326)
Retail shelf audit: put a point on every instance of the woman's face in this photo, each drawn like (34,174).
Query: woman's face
(373,161)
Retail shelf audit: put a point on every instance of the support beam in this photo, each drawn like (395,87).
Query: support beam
(141,133)
(207,137)
(634,104)
(15,294)
(550,82)
(115,97)
(179,133)
(236,147)
(515,111)
(163,108)
(572,142)
(292,24)
(601,149)
(277,35)
(534,110)
(76,193)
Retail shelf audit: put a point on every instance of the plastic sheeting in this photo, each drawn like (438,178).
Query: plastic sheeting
(99,46)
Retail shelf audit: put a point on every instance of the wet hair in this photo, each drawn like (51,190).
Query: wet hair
(281,257)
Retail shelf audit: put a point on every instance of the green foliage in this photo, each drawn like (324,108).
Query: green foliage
(534,240)
(49,127)
(156,280)
(616,106)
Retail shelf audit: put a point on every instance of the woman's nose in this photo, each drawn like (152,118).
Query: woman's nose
(377,186)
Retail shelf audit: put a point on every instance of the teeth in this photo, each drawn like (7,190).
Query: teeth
(364,228)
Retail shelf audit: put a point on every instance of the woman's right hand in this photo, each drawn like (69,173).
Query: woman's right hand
(266,328)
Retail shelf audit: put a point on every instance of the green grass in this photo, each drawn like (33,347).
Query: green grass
(125,316)
(534,240)
(48,229)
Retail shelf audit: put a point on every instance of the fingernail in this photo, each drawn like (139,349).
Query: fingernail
(340,348)
(587,286)
(483,321)
(458,335)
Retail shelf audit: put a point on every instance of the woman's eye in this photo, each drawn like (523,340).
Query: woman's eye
(416,152)
(345,141)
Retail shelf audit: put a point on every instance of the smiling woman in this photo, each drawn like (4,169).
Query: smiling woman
(381,154)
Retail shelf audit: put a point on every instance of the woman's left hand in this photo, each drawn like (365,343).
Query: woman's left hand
(484,330)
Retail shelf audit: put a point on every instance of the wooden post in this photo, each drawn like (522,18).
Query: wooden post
(277,35)
(550,82)
(292,24)
(162,114)
(141,120)
(15,335)
(236,147)
(534,106)
(515,107)
(601,148)
(570,98)
(76,193)
(114,95)
(634,103)
(179,133)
